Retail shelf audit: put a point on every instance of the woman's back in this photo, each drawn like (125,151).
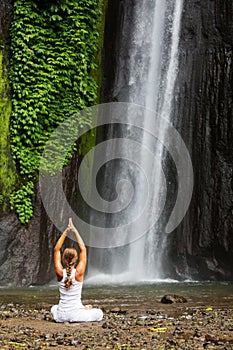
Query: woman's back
(70,298)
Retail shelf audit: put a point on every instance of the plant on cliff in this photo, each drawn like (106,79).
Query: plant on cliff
(54,46)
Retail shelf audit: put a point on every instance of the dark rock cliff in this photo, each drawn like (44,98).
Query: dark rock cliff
(205,116)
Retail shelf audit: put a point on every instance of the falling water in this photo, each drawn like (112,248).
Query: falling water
(146,74)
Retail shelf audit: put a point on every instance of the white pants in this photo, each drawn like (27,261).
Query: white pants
(78,315)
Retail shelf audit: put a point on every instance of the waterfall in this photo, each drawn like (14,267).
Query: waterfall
(145,75)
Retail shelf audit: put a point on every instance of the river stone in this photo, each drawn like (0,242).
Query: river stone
(172,298)
(211,338)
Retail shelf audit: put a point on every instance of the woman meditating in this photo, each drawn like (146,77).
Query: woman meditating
(70,281)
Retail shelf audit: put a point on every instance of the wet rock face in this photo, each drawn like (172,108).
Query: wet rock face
(204,117)
(26,253)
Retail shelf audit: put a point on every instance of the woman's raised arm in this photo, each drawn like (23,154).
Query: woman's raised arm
(80,269)
(57,254)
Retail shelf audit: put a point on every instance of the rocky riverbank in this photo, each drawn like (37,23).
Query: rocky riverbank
(167,327)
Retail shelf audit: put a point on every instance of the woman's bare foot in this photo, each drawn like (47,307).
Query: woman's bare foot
(88,307)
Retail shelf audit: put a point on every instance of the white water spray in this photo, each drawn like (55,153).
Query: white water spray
(146,75)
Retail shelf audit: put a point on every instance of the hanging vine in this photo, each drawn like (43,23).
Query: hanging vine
(53,71)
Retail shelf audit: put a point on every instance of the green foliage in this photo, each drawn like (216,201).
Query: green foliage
(21,202)
(53,75)
(7,171)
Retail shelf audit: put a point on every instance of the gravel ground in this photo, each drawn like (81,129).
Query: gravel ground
(163,327)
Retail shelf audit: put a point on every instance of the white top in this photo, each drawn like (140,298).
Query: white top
(70,299)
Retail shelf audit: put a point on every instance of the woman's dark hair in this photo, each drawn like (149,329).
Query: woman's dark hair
(69,258)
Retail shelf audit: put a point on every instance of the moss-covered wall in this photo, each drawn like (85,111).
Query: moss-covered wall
(55,56)
(7,171)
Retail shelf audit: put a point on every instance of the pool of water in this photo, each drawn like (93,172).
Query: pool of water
(127,296)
